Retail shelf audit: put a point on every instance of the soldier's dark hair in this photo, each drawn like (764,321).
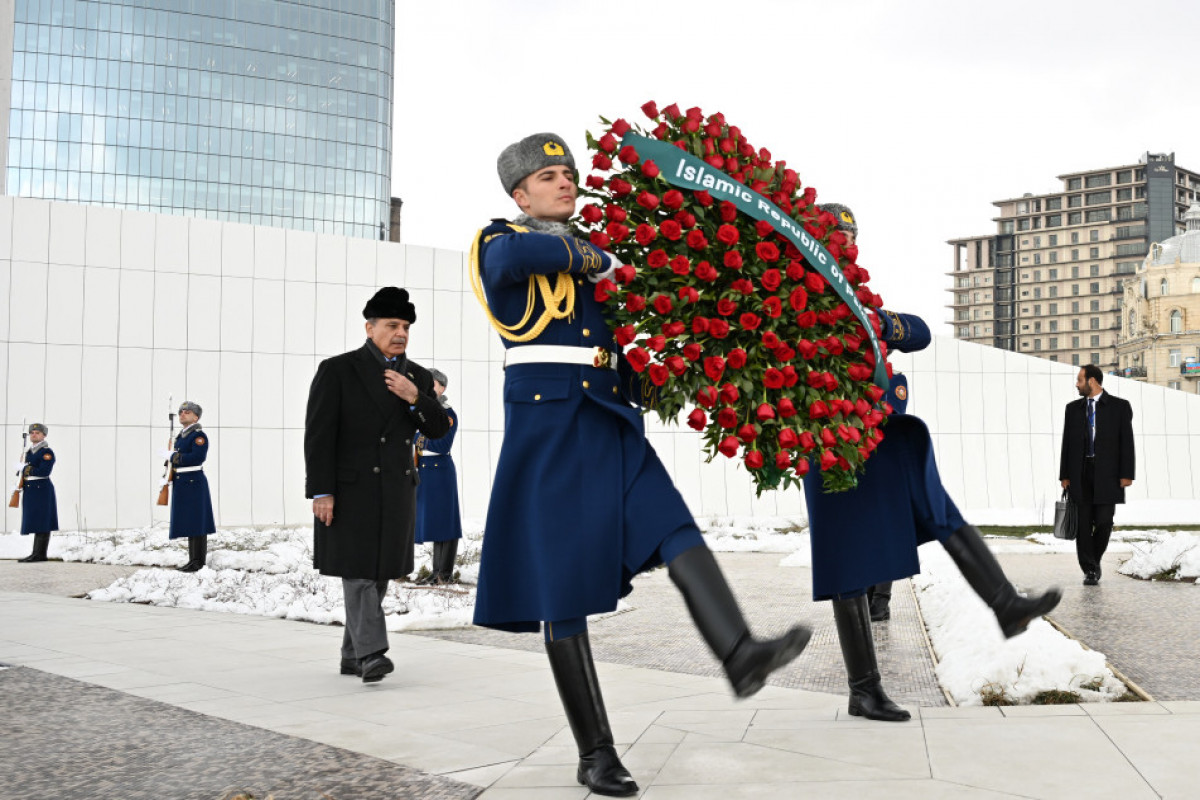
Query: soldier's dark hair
(1092,371)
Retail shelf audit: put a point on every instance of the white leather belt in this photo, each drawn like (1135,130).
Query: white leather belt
(29,478)
(188,469)
(560,354)
(430,453)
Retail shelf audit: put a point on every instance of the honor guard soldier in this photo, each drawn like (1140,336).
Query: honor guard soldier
(191,503)
(581,503)
(438,520)
(39,505)
(868,536)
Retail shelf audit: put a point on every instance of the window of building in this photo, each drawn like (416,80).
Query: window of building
(1037,344)
(1124,176)
(1093,235)
(1176,356)
(1097,198)
(1053,308)
(1075,359)
(1054,358)
(963,331)
(1074,341)
(1094,287)
(1074,272)
(1053,291)
(1173,385)
(1075,324)
(1095,357)
(1124,195)
(1037,326)
(1094,322)
(1037,274)
(1074,183)
(1053,342)
(1037,258)
(1053,274)
(1126,267)
(1023,224)
(1053,326)
(1131,322)
(1096,181)
(1195,285)
(1075,218)
(1094,270)
(1053,220)
(1163,287)
(1037,241)
(1074,289)
(1176,321)
(1074,306)
(1037,291)
(1099,215)
(1093,252)
(1074,237)
(1095,343)
(1037,310)
(1075,255)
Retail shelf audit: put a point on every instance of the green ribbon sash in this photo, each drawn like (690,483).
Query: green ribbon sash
(686,171)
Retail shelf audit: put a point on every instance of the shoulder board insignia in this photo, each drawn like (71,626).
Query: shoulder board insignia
(452,422)
(199,440)
(901,393)
(48,457)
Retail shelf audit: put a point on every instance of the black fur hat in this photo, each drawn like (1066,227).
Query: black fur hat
(390,302)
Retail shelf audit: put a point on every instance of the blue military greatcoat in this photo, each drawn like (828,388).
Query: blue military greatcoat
(870,534)
(580,501)
(191,503)
(39,505)
(438,519)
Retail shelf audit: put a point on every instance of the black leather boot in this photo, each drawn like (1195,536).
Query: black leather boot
(747,661)
(867,698)
(195,557)
(579,689)
(977,564)
(879,597)
(41,543)
(444,554)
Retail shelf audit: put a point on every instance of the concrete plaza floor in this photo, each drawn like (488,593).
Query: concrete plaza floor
(108,700)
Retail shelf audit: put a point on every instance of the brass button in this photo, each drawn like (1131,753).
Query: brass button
(537,397)
(375,469)
(586,384)
(579,282)
(614,390)
(586,332)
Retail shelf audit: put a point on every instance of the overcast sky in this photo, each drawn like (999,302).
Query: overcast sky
(916,114)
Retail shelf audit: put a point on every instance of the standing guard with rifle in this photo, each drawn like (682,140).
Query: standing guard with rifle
(39,509)
(191,503)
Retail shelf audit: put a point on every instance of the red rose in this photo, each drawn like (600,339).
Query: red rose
(594,182)
(827,438)
(676,365)
(858,372)
(764,412)
(766,251)
(673,329)
(656,343)
(700,325)
(815,283)
(728,211)
(784,353)
(638,359)
(608,143)
(795,270)
(658,374)
(852,342)
(728,447)
(696,240)
(725,306)
(875,393)
(660,130)
(603,289)
(788,439)
(727,418)
(617,232)
(729,394)
(834,346)
(718,328)
(771,279)
(680,265)
(815,379)
(663,304)
(671,112)
(783,460)
(763,228)
(628,155)
(706,272)
(703,198)
(807,349)
(688,294)
(818,409)
(634,302)
(648,201)
(625,273)
(691,351)
(733,259)
(772,378)
(650,169)
(591,214)
(644,234)
(743,286)
(807,442)
(707,396)
(601,161)
(673,199)
(599,238)
(843,433)
(620,187)
(615,213)
(650,109)
(806,319)
(714,161)
(749,321)
(754,459)
(686,219)
(770,340)
(772,307)
(727,235)
(789,376)
(657,259)
(736,358)
(727,146)
(798,299)
(671,229)
(785,408)
(714,367)
(801,466)
(828,459)
(620,127)
(747,433)
(697,420)
(624,334)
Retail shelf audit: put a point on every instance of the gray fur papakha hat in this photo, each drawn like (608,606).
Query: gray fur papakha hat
(845,217)
(439,376)
(188,405)
(527,156)
(37,426)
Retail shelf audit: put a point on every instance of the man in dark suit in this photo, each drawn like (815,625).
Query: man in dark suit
(1097,464)
(365,408)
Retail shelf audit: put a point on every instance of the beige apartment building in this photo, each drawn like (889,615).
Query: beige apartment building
(1049,281)
(1160,326)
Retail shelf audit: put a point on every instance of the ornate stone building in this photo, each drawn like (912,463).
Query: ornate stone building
(1160,322)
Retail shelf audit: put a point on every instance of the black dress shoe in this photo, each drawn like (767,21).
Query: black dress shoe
(1091,579)
(350,666)
(375,666)
(602,772)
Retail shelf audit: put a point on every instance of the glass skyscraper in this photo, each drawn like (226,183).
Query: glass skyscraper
(269,112)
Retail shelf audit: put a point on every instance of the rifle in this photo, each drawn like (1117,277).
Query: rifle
(15,500)
(164,493)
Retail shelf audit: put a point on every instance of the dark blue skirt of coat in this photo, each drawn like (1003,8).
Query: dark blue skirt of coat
(438,519)
(39,507)
(191,506)
(870,534)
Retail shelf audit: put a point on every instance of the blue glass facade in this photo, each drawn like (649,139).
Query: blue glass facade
(270,112)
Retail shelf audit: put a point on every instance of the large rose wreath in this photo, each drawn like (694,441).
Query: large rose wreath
(739,296)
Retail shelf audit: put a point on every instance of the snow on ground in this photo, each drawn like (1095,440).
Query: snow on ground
(1163,555)
(975,657)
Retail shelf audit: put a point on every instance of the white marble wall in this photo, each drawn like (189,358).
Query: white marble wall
(106,312)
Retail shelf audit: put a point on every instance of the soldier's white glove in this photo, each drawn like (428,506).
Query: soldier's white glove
(613,264)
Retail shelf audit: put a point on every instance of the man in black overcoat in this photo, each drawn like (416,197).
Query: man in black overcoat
(365,408)
(1097,464)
